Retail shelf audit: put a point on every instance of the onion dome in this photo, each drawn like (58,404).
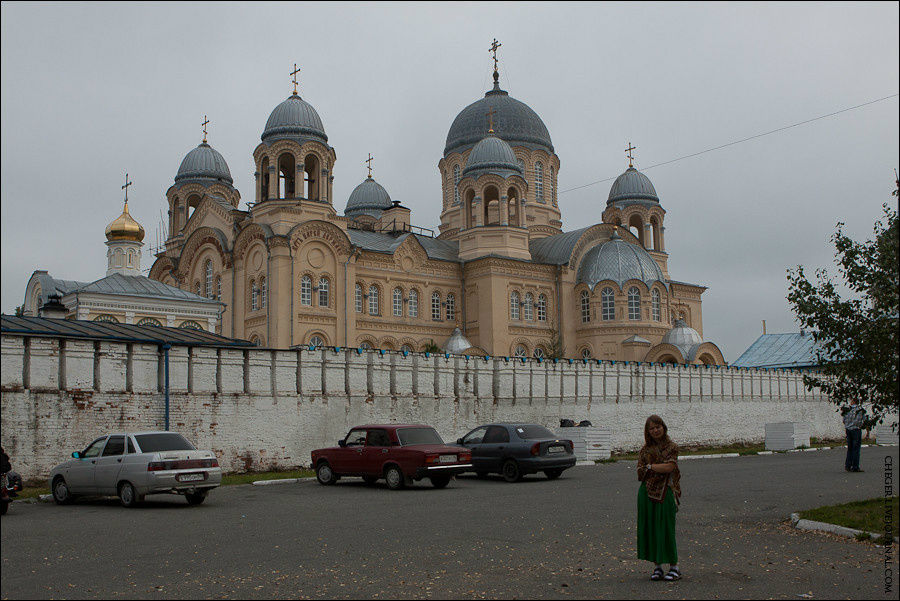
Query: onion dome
(294,119)
(685,338)
(457,344)
(632,185)
(514,121)
(125,228)
(204,163)
(368,198)
(492,155)
(619,261)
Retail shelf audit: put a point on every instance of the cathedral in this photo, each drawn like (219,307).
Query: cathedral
(499,277)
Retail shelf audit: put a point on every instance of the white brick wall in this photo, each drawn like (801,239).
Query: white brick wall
(259,430)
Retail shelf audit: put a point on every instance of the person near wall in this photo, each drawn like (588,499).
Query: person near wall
(658,498)
(854,418)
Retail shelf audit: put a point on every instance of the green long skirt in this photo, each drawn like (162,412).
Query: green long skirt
(656,528)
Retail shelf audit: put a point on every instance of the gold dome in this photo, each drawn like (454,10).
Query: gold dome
(125,228)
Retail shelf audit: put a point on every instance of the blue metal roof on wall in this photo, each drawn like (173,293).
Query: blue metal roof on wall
(95,330)
(556,249)
(780,351)
(442,250)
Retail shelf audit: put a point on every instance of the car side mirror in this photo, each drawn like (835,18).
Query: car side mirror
(459,441)
(76,454)
(342,443)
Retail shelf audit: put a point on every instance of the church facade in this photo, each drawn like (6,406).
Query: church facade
(291,270)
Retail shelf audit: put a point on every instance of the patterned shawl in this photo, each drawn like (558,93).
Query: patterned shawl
(655,482)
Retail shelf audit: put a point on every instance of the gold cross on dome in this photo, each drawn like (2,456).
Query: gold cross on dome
(294,76)
(494,45)
(490,115)
(369,162)
(125,187)
(630,156)
(205,122)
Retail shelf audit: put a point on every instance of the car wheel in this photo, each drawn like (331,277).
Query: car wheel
(370,480)
(128,495)
(440,481)
(195,498)
(61,493)
(553,474)
(325,475)
(511,471)
(394,477)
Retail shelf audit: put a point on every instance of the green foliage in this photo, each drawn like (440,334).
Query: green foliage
(555,350)
(431,347)
(856,337)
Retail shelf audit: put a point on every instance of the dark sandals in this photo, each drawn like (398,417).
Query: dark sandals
(674,574)
(657,574)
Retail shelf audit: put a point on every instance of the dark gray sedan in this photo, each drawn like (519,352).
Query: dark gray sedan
(516,449)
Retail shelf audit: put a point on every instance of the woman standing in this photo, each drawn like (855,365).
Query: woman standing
(658,497)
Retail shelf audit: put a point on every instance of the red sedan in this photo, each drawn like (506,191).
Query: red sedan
(399,453)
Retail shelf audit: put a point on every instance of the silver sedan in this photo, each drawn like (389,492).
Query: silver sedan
(132,465)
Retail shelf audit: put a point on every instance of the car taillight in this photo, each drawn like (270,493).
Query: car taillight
(434,458)
(210,463)
(536,448)
(156,466)
(465,456)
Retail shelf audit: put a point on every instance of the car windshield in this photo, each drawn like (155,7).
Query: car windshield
(168,441)
(533,432)
(410,436)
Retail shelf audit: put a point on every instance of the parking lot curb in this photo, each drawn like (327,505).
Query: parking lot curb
(280,481)
(802,524)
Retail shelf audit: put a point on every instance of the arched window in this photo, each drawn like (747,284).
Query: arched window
(397,302)
(316,341)
(254,295)
(208,270)
(190,325)
(528,307)
(456,184)
(218,287)
(373,300)
(514,305)
(634,303)
(407,348)
(539,181)
(106,319)
(520,351)
(607,305)
(306,290)
(149,321)
(585,353)
(323,292)
(358,298)
(413,307)
(197,288)
(542,308)
(365,345)
(263,293)
(451,307)
(539,353)
(585,306)
(654,298)
(551,187)
(436,306)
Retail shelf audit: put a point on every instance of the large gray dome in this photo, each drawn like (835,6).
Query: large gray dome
(369,198)
(686,338)
(295,119)
(514,121)
(204,163)
(632,185)
(492,155)
(618,261)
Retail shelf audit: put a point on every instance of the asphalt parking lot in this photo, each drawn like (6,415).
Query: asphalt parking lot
(569,538)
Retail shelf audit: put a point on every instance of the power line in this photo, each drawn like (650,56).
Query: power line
(688,156)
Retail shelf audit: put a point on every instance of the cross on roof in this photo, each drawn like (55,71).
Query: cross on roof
(630,156)
(294,76)
(205,121)
(369,162)
(125,187)
(490,115)
(494,45)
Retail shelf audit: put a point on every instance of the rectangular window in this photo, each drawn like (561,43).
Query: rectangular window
(542,308)
(323,292)
(413,308)
(397,303)
(373,300)
(608,305)
(451,307)
(436,306)
(528,307)
(358,298)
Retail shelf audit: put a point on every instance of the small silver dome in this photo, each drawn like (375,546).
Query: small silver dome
(686,338)
(295,119)
(632,185)
(514,121)
(618,261)
(492,155)
(457,344)
(368,198)
(204,163)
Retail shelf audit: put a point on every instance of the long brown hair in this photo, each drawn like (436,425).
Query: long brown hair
(649,440)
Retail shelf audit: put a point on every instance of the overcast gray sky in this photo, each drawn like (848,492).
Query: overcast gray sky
(90,91)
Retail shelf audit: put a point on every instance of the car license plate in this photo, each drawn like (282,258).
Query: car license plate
(556,449)
(190,477)
(447,459)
